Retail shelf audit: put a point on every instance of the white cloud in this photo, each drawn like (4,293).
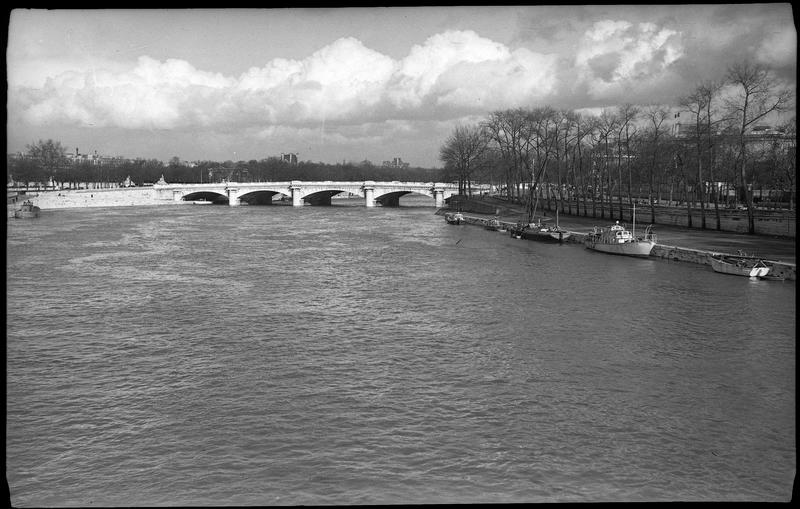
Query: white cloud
(346,82)
(614,55)
(419,72)
(521,78)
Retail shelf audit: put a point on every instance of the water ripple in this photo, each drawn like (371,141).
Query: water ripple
(272,356)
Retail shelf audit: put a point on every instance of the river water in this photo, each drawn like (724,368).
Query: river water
(185,355)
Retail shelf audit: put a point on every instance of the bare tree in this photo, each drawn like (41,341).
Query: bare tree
(626,116)
(607,125)
(505,130)
(538,149)
(569,136)
(462,151)
(51,157)
(696,104)
(585,127)
(708,92)
(758,95)
(656,116)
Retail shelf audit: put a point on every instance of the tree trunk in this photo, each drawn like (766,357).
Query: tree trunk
(748,193)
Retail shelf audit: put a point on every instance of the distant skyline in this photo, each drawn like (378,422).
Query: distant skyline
(356,83)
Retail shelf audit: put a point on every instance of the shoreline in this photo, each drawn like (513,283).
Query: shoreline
(695,246)
(83,198)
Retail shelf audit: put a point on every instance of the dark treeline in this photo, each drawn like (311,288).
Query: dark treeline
(589,165)
(46,161)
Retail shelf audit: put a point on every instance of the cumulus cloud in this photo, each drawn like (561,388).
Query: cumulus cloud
(151,95)
(455,72)
(615,55)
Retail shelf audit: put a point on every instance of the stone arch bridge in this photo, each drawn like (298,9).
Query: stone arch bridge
(302,192)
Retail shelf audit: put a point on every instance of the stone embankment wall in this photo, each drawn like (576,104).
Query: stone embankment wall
(779,223)
(121,197)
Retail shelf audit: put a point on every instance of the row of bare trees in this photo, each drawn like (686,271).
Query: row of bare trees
(631,153)
(46,161)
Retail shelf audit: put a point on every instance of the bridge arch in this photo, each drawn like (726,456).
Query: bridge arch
(322,197)
(213,197)
(392,198)
(260,197)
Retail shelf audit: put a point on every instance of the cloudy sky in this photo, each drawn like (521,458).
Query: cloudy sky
(356,83)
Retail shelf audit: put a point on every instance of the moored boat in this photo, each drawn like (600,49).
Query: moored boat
(617,240)
(202,201)
(454,217)
(494,224)
(747,266)
(27,210)
(546,233)
(517,230)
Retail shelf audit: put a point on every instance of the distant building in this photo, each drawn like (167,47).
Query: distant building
(395,163)
(290,158)
(93,159)
(680,130)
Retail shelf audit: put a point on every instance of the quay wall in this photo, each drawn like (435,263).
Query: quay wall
(779,223)
(682,254)
(698,256)
(662,251)
(79,198)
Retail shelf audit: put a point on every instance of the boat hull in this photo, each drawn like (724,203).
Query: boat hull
(639,249)
(27,213)
(19,214)
(746,269)
(553,237)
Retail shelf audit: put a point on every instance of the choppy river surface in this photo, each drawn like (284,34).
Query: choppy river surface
(184,355)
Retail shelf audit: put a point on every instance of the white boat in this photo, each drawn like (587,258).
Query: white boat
(454,218)
(202,201)
(617,240)
(747,266)
(27,210)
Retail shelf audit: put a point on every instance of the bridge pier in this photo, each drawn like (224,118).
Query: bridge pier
(177,195)
(233,201)
(369,194)
(297,200)
(438,195)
